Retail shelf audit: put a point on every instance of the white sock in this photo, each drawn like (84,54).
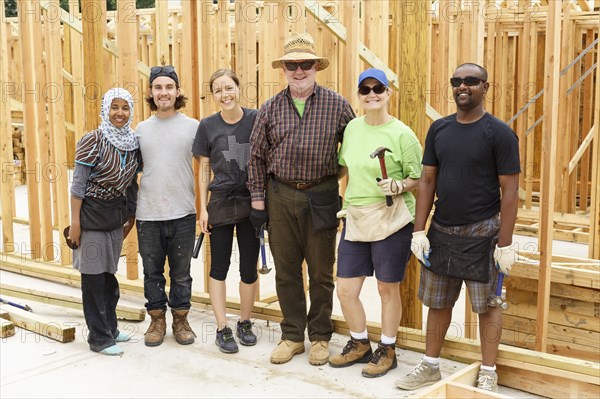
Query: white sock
(435,361)
(360,335)
(387,340)
(488,368)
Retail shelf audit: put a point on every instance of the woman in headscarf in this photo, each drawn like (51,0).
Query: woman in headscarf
(103,199)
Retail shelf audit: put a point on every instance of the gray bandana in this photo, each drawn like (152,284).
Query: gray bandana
(121,137)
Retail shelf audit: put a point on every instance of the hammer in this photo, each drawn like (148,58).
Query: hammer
(500,302)
(264,269)
(380,153)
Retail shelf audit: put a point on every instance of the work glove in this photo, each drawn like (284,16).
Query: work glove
(420,247)
(390,187)
(258,218)
(505,257)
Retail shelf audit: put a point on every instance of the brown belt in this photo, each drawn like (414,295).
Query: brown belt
(303,185)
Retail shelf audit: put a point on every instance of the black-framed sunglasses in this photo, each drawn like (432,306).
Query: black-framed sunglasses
(377,89)
(162,68)
(305,66)
(469,81)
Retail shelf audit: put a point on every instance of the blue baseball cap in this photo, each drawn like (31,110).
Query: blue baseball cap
(375,74)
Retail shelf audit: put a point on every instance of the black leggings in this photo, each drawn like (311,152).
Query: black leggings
(221,242)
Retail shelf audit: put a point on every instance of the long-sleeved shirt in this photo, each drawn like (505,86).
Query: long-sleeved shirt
(293,147)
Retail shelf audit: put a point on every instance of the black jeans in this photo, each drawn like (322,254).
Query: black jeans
(221,241)
(157,241)
(100,294)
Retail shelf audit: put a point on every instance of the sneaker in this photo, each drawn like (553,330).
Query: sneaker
(422,375)
(114,350)
(245,334)
(225,341)
(355,351)
(487,380)
(122,337)
(382,361)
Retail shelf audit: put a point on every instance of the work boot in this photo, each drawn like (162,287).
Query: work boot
(158,328)
(383,360)
(224,340)
(286,350)
(181,328)
(355,351)
(487,380)
(319,353)
(424,374)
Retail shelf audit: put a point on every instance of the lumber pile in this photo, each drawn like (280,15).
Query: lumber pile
(574,323)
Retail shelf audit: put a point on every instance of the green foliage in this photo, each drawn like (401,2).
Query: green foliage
(10,8)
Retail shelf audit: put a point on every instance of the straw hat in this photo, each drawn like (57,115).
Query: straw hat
(300,46)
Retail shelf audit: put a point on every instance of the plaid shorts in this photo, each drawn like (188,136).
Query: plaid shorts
(441,292)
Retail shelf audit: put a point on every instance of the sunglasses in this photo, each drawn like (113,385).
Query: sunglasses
(469,81)
(305,66)
(377,89)
(158,69)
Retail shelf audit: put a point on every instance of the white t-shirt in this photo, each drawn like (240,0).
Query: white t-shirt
(167,184)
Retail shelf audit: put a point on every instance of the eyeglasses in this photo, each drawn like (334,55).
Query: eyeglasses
(377,89)
(158,69)
(469,81)
(305,66)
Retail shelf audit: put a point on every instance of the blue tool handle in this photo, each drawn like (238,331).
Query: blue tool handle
(262,247)
(500,283)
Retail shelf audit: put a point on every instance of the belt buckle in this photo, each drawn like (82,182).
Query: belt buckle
(301,185)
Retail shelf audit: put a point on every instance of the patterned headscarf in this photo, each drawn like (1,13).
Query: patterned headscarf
(121,137)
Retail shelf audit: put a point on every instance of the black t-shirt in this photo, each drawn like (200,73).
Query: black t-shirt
(469,158)
(228,147)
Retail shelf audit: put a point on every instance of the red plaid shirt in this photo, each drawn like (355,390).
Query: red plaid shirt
(295,148)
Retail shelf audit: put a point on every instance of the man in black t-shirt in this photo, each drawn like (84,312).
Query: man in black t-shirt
(471,163)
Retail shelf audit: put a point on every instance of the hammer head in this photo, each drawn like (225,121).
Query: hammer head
(380,152)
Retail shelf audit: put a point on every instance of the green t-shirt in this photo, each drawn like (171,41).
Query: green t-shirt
(360,140)
(299,105)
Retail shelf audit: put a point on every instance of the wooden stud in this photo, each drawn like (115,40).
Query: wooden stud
(77,73)
(93,61)
(26,23)
(6,147)
(350,68)
(57,113)
(245,50)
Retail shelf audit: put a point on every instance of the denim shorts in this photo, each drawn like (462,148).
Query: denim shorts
(386,258)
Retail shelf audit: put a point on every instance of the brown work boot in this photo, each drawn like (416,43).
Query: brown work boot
(319,353)
(383,360)
(355,351)
(158,328)
(286,350)
(181,328)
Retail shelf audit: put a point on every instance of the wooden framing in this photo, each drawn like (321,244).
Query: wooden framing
(123,312)
(7,328)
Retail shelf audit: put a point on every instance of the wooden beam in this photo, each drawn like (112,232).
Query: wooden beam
(7,327)
(93,61)
(123,311)
(39,324)
(57,113)
(161,33)
(26,29)
(548,180)
(7,181)
(245,49)
(594,243)
(350,68)
(412,66)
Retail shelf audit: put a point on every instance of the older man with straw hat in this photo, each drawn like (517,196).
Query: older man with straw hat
(293,180)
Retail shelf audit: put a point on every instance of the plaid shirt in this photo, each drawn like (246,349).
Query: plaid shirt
(295,148)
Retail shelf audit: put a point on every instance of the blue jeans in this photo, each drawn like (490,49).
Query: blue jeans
(161,239)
